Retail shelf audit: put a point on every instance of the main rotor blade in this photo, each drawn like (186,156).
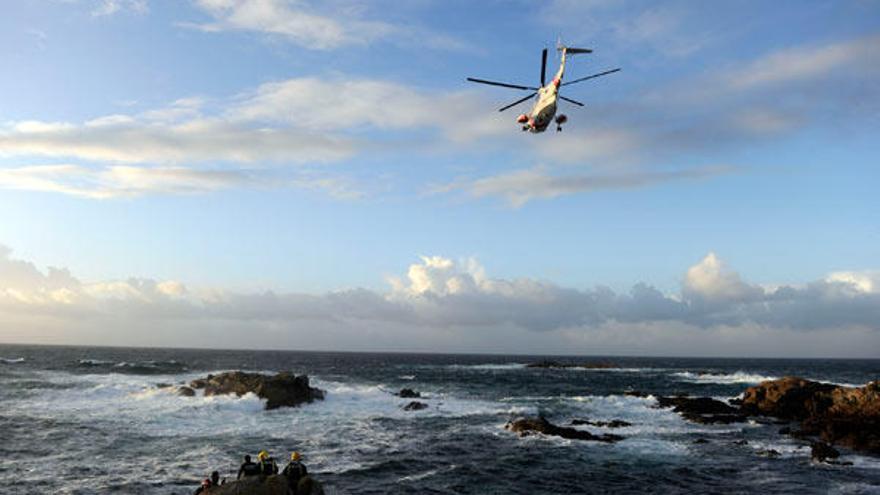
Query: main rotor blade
(590,77)
(517,102)
(504,85)
(543,66)
(570,100)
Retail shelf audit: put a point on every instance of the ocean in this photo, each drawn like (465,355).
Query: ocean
(81,420)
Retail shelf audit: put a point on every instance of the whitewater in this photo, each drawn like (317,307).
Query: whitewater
(94,420)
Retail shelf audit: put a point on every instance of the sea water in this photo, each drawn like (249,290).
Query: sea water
(92,420)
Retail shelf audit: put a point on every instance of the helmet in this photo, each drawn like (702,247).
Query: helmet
(262,455)
(294,456)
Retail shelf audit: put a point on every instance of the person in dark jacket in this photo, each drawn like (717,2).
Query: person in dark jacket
(248,468)
(267,464)
(294,471)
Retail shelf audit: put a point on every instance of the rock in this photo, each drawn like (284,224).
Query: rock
(771,453)
(820,451)
(281,390)
(741,442)
(528,426)
(701,440)
(702,410)
(636,393)
(614,423)
(185,391)
(272,485)
(848,416)
(415,406)
(557,364)
(408,393)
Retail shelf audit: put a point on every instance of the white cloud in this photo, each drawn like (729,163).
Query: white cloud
(521,186)
(111,7)
(457,306)
(314,25)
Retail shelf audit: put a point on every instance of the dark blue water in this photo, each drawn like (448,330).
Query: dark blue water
(90,420)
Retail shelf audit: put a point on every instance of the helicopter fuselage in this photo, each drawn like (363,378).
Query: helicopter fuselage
(544,109)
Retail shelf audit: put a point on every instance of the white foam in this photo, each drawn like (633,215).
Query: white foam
(723,378)
(12,360)
(407,377)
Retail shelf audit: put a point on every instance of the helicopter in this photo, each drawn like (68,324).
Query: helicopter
(544,109)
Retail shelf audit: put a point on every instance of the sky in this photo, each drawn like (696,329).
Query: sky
(321,176)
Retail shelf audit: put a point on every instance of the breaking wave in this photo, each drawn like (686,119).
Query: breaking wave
(722,378)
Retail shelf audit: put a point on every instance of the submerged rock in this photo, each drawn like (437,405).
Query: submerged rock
(702,410)
(185,391)
(614,423)
(528,426)
(848,416)
(415,406)
(281,390)
(271,485)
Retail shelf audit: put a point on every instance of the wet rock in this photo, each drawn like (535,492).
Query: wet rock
(281,390)
(701,440)
(821,451)
(408,393)
(703,410)
(848,416)
(272,485)
(185,391)
(741,442)
(771,453)
(528,426)
(614,423)
(415,406)
(557,364)
(635,393)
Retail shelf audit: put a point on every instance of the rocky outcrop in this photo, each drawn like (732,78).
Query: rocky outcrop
(185,391)
(529,426)
(408,393)
(557,364)
(702,410)
(272,485)
(281,390)
(847,416)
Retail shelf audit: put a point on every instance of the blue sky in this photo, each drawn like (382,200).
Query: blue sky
(309,148)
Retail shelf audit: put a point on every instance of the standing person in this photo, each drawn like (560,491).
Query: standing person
(248,468)
(215,479)
(294,471)
(267,464)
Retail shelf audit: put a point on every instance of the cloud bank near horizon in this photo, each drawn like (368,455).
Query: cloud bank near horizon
(444,305)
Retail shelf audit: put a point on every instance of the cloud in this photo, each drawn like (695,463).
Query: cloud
(521,186)
(439,301)
(314,26)
(111,7)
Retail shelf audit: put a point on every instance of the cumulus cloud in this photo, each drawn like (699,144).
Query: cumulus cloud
(441,301)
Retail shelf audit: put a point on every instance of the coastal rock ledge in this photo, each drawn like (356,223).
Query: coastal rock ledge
(281,390)
(847,416)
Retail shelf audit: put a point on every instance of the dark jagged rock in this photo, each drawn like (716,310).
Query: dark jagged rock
(408,393)
(281,390)
(185,391)
(702,410)
(848,416)
(415,406)
(821,451)
(614,423)
(528,426)
(741,442)
(557,364)
(272,485)
(701,440)
(636,393)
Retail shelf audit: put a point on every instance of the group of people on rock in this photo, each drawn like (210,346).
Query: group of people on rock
(294,471)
